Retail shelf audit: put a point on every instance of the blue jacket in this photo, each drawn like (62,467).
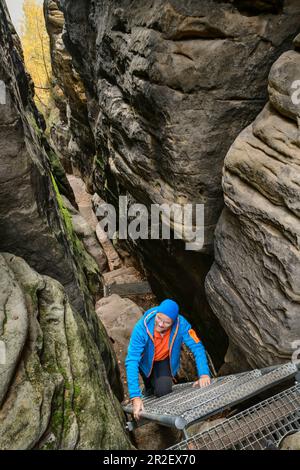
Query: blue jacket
(140,352)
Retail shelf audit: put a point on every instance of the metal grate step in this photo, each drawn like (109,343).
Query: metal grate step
(240,392)
(192,398)
(193,404)
(181,391)
(256,428)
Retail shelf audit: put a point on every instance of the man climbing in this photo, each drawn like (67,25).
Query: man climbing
(154,352)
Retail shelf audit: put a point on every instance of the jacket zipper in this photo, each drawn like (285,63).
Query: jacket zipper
(148,332)
(173,339)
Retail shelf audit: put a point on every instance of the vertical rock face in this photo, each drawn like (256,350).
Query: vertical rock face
(71,132)
(170,84)
(254,284)
(54,391)
(57,368)
(31,222)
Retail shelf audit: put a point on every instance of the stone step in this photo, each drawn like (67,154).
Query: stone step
(122,275)
(130,288)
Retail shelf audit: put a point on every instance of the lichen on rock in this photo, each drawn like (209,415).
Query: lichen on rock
(54,389)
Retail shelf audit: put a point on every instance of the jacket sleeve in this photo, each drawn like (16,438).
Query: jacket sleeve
(134,353)
(191,340)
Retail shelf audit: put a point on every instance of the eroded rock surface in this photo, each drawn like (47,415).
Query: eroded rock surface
(119,316)
(71,133)
(291,442)
(54,390)
(59,377)
(33,222)
(169,86)
(254,284)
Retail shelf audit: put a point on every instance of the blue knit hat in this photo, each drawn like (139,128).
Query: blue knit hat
(170,308)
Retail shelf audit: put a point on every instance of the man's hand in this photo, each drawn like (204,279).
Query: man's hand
(202,382)
(138,406)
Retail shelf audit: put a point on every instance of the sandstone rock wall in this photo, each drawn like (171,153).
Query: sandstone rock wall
(54,390)
(169,86)
(254,284)
(33,222)
(71,133)
(59,378)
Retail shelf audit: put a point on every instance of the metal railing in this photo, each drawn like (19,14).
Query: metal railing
(259,427)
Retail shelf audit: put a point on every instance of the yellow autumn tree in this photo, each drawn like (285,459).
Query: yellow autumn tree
(36,47)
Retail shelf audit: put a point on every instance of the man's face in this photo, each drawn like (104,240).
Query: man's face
(162,322)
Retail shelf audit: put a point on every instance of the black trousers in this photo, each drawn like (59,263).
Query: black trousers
(160,381)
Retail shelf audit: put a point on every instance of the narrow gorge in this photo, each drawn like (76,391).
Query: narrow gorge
(164,102)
